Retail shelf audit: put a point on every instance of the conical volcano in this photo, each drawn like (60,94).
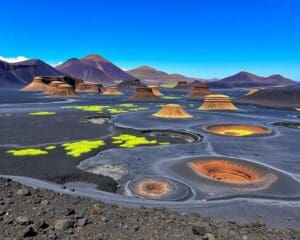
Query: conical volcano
(155,89)
(65,90)
(112,91)
(217,102)
(172,111)
(143,94)
(37,85)
(199,91)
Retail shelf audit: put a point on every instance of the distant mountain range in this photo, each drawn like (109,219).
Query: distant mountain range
(241,79)
(22,73)
(94,69)
(150,75)
(246,79)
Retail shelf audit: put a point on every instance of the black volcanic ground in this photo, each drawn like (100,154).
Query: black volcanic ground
(275,202)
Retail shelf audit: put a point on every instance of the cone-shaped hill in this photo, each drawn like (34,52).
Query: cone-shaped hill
(94,69)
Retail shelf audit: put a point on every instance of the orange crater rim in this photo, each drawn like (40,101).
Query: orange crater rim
(153,188)
(227,171)
(237,130)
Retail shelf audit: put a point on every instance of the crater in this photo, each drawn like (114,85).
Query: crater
(185,136)
(237,130)
(158,188)
(226,171)
(294,125)
(233,171)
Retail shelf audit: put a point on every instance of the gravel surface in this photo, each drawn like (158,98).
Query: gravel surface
(42,214)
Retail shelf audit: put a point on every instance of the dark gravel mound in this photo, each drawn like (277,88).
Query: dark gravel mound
(283,97)
(41,214)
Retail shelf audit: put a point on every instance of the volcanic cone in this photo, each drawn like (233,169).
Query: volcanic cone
(112,91)
(172,111)
(199,91)
(143,94)
(217,102)
(65,90)
(155,90)
(37,85)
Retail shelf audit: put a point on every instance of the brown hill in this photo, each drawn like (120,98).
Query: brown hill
(151,75)
(94,69)
(130,83)
(21,73)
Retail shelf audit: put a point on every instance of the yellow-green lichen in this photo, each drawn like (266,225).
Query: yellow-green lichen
(50,147)
(127,105)
(131,141)
(89,108)
(116,110)
(76,149)
(138,109)
(27,152)
(168,85)
(164,143)
(41,113)
(171,97)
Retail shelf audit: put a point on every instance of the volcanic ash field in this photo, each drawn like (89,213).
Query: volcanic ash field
(169,149)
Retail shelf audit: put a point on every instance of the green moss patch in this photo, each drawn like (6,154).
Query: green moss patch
(42,113)
(76,149)
(27,152)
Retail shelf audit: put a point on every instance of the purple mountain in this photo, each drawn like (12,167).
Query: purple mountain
(94,69)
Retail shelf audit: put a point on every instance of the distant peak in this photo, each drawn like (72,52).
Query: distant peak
(95,57)
(146,68)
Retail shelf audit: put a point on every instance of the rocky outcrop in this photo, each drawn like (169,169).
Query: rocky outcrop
(37,85)
(90,88)
(112,91)
(199,91)
(182,85)
(143,94)
(155,89)
(218,102)
(172,111)
(65,91)
(52,87)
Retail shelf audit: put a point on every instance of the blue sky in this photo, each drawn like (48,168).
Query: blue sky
(199,38)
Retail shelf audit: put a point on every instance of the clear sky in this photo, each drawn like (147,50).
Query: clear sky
(199,38)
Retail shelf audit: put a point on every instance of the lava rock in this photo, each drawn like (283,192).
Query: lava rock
(63,224)
(23,192)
